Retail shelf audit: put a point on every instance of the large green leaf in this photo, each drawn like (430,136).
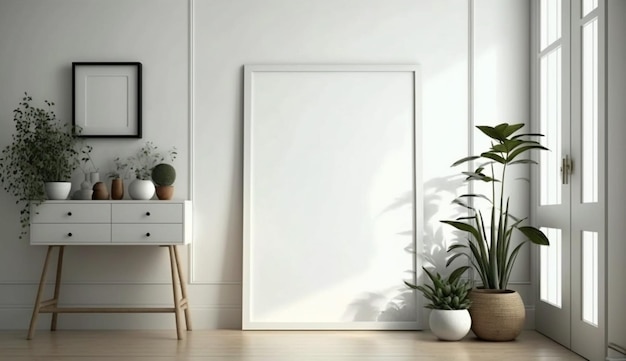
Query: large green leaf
(511,144)
(457,273)
(463,160)
(464,227)
(528,135)
(478,176)
(512,128)
(474,195)
(498,158)
(523,149)
(493,133)
(535,235)
(523,161)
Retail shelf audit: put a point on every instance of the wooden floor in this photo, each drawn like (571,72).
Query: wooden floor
(269,345)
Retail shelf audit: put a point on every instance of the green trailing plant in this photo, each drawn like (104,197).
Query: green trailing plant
(449,293)
(147,158)
(43,149)
(491,252)
(163,175)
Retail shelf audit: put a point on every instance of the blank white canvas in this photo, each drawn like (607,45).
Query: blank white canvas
(330,200)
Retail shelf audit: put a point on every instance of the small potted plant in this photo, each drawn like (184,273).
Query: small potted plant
(142,164)
(449,319)
(44,151)
(117,178)
(163,176)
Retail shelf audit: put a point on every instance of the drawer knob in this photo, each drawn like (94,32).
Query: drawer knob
(69,234)
(147,213)
(69,213)
(148,234)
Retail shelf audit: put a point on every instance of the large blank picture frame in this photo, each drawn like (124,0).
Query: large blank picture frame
(106,99)
(331,209)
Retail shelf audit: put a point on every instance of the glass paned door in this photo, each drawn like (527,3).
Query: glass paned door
(552,211)
(570,197)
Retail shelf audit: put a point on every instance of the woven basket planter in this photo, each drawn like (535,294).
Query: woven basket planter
(497,315)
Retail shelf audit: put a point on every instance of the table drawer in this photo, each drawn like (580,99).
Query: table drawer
(71,213)
(41,233)
(148,233)
(147,213)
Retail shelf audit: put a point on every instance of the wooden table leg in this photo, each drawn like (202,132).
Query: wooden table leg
(57,288)
(183,289)
(177,300)
(42,281)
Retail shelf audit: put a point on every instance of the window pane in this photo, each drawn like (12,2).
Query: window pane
(550,126)
(550,22)
(551,268)
(588,6)
(590,278)
(590,112)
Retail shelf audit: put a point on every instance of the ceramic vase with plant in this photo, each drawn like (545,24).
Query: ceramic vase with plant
(163,176)
(44,149)
(91,175)
(88,166)
(117,178)
(449,300)
(142,164)
(497,312)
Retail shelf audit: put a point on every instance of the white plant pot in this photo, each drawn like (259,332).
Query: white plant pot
(450,325)
(58,190)
(141,189)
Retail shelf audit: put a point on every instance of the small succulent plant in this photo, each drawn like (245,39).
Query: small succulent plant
(449,293)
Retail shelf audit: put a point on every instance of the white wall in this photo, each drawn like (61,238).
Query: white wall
(39,40)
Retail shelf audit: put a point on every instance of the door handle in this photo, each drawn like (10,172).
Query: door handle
(566,169)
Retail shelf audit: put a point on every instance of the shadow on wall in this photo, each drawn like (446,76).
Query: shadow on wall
(401,306)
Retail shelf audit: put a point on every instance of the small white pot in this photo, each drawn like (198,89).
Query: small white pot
(141,189)
(58,190)
(450,325)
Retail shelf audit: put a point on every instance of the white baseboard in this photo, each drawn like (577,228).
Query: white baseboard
(529,324)
(203,318)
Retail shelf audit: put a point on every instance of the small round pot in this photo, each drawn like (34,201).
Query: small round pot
(165,193)
(141,189)
(497,315)
(450,325)
(58,190)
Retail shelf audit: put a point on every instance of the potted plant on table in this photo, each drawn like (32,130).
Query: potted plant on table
(449,300)
(497,313)
(163,176)
(142,164)
(43,151)
(117,178)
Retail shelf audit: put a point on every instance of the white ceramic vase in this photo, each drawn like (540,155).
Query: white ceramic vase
(141,189)
(450,325)
(58,190)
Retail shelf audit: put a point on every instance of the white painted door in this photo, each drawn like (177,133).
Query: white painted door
(571,180)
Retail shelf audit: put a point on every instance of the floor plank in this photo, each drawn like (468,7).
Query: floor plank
(212,345)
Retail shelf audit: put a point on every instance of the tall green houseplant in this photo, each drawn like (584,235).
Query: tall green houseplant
(491,252)
(43,149)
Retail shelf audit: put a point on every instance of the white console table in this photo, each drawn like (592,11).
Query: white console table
(124,222)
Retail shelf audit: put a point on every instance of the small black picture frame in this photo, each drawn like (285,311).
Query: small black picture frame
(106,99)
